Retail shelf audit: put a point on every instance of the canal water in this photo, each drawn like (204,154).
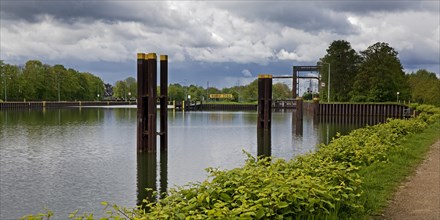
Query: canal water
(73,159)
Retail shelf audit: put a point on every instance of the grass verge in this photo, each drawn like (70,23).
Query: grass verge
(381,180)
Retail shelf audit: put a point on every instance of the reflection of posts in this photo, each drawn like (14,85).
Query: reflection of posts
(146,176)
(163,173)
(264,147)
(299,117)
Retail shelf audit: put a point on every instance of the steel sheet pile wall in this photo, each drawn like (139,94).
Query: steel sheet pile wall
(349,109)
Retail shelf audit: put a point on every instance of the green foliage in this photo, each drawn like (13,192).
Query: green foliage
(38,81)
(125,89)
(425,87)
(380,76)
(344,63)
(376,75)
(281,91)
(250,92)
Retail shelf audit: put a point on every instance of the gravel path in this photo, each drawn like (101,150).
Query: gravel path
(419,197)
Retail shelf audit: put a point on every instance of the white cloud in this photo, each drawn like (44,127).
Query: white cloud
(246,73)
(216,32)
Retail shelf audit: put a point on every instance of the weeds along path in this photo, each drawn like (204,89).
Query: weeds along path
(419,196)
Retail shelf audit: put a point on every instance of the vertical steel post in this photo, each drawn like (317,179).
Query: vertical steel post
(141,70)
(163,103)
(294,82)
(151,102)
(264,114)
(264,101)
(316,106)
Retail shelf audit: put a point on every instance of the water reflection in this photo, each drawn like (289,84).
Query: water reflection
(147,176)
(89,154)
(264,142)
(297,124)
(329,126)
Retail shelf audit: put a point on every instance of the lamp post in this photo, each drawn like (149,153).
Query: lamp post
(4,82)
(59,97)
(328,87)
(398,96)
(129,96)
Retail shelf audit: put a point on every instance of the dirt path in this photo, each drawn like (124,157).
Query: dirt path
(419,197)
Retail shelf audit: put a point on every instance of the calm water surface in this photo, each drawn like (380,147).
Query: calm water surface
(68,159)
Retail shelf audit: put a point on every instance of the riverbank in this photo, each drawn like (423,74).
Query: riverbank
(382,182)
(418,196)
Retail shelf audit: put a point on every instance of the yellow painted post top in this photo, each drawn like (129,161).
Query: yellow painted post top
(163,57)
(151,56)
(140,56)
(265,76)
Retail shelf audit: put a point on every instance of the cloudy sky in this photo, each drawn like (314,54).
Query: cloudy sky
(224,42)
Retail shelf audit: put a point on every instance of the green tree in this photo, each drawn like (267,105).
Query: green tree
(281,91)
(176,92)
(250,92)
(344,63)
(10,86)
(120,90)
(380,75)
(425,87)
(131,87)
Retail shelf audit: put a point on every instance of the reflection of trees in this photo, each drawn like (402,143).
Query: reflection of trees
(331,125)
(222,117)
(54,116)
(124,114)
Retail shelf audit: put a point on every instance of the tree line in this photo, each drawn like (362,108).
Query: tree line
(37,81)
(125,89)
(373,75)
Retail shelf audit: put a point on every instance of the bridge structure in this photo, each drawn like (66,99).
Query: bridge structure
(296,77)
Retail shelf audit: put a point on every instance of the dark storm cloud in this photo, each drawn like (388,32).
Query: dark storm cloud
(364,7)
(308,16)
(154,14)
